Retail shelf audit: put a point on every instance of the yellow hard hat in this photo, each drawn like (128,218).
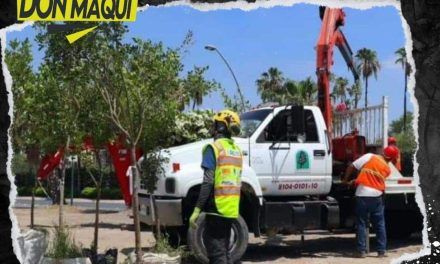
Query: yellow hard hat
(230,119)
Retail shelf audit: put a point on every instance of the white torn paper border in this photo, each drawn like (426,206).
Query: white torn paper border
(243,5)
(13,193)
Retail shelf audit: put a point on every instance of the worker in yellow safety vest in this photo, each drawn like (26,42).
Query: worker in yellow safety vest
(219,194)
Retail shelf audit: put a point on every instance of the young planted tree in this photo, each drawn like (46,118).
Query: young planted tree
(367,64)
(138,82)
(18,58)
(63,77)
(44,110)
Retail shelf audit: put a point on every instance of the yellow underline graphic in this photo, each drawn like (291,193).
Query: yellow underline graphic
(77,35)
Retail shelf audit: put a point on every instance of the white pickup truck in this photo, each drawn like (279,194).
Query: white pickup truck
(288,182)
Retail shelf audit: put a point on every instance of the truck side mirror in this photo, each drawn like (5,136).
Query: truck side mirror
(296,122)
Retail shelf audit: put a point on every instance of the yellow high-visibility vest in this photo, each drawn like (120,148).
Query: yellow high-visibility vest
(227,181)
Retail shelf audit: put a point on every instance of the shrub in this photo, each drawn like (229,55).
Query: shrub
(39,192)
(89,192)
(62,245)
(191,127)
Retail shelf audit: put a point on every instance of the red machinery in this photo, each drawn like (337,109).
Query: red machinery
(351,146)
(120,156)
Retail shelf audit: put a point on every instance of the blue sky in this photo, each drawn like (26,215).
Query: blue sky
(284,37)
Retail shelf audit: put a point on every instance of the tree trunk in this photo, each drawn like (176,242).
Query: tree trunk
(404,101)
(97,205)
(54,188)
(98,199)
(96,233)
(135,206)
(33,201)
(366,92)
(63,176)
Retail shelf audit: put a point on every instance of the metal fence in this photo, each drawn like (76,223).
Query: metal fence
(371,122)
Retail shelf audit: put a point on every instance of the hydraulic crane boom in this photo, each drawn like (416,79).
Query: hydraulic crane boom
(330,36)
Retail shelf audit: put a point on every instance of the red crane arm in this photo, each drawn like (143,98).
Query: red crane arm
(329,37)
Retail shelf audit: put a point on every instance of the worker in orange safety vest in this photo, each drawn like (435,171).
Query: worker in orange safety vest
(393,142)
(372,171)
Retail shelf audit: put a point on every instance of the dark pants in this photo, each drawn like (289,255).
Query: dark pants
(218,232)
(374,208)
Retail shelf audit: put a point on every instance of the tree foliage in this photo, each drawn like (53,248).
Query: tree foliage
(272,86)
(102,86)
(405,138)
(19,59)
(367,64)
(402,60)
(191,127)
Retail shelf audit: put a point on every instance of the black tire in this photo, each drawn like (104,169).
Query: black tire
(240,236)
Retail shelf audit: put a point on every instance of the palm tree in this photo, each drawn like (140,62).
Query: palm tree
(340,88)
(309,90)
(270,84)
(292,93)
(354,92)
(302,92)
(367,65)
(401,59)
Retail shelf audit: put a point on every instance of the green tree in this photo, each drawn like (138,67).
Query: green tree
(72,101)
(309,90)
(405,136)
(197,87)
(367,64)
(270,84)
(138,82)
(402,60)
(340,88)
(140,79)
(102,88)
(292,93)
(19,59)
(396,126)
(354,92)
(234,103)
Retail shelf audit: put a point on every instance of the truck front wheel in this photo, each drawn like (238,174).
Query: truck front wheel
(237,246)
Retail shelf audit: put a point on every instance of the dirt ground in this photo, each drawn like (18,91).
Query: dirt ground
(116,230)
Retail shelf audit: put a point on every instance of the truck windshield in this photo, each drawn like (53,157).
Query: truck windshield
(250,121)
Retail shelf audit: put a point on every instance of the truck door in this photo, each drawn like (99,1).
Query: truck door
(288,164)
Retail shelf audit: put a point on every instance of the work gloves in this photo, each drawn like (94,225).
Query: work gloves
(193,219)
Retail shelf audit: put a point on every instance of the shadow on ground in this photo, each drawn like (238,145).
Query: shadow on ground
(321,247)
(92,211)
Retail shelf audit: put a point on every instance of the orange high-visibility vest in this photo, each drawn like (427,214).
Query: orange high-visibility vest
(398,166)
(374,173)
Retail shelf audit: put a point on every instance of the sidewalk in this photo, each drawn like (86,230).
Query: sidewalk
(42,202)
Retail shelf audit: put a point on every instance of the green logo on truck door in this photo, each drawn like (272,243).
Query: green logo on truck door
(302,160)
